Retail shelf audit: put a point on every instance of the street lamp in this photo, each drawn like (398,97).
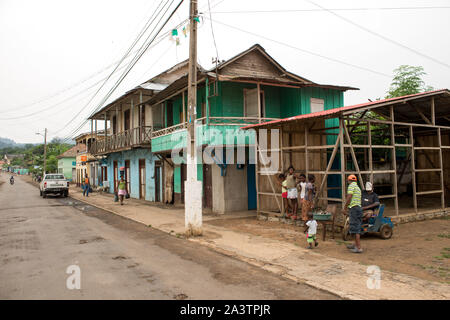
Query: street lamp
(45,149)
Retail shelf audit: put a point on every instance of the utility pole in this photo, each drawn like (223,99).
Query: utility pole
(45,151)
(193,187)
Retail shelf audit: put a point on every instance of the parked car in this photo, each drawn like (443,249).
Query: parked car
(54,183)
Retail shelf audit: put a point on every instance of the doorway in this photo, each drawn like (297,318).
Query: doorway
(127,175)
(158,181)
(207,186)
(116,175)
(141,178)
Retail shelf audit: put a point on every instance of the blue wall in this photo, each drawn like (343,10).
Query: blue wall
(134,156)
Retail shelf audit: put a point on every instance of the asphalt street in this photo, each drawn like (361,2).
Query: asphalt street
(42,239)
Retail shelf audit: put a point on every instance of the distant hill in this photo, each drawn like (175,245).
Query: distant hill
(5,142)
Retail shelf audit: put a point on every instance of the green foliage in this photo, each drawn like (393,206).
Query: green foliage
(33,155)
(407,80)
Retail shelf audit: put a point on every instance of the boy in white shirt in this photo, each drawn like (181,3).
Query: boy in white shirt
(311,230)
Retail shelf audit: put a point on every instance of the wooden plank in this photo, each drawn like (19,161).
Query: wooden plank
(369,132)
(394,159)
(441,164)
(342,156)
(355,161)
(433,113)
(429,192)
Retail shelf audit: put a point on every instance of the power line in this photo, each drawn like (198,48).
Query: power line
(334,9)
(381,36)
(304,50)
(144,48)
(141,33)
(212,32)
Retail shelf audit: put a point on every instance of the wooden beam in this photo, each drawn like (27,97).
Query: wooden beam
(369,132)
(433,113)
(421,114)
(441,163)
(355,161)
(330,163)
(394,160)
(342,156)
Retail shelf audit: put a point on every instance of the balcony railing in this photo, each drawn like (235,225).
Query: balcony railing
(235,121)
(123,140)
(169,130)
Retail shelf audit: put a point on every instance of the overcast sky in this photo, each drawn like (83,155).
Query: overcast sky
(50,47)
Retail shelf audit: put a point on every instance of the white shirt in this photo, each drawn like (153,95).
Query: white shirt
(302,192)
(312,224)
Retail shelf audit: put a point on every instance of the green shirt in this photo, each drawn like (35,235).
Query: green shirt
(122,185)
(354,190)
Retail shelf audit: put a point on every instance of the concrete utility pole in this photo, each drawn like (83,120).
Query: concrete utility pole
(45,150)
(193,187)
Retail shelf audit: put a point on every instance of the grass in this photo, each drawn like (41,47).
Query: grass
(444,235)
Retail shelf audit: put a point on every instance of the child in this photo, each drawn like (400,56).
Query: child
(291,186)
(308,201)
(282,181)
(311,230)
(302,187)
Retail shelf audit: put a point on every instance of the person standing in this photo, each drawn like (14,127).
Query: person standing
(292,192)
(308,201)
(122,189)
(370,201)
(353,204)
(86,186)
(282,182)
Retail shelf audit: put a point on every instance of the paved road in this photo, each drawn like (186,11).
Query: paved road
(118,258)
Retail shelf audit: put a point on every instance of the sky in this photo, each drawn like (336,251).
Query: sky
(54,55)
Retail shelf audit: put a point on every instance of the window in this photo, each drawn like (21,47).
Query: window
(251,103)
(317,105)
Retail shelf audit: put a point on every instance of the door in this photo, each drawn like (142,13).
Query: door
(169,113)
(207,186)
(141,178)
(158,181)
(126,120)
(251,186)
(74,174)
(183,179)
(127,175)
(114,124)
(116,175)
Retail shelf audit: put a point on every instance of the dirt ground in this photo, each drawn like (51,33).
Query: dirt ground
(420,249)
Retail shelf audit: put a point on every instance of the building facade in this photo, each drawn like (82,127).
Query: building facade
(246,89)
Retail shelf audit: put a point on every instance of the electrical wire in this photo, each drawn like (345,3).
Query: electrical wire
(303,50)
(334,9)
(146,27)
(132,64)
(381,36)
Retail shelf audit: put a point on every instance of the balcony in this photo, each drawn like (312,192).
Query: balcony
(133,138)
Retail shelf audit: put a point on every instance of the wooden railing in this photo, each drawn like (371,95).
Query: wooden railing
(169,130)
(122,140)
(236,121)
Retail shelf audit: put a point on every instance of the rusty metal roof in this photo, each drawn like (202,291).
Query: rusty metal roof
(332,113)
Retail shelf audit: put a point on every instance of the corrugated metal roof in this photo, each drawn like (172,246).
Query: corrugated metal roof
(333,112)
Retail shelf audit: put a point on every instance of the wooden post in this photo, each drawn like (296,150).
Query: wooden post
(355,161)
(441,163)
(207,100)
(394,159)
(141,124)
(282,164)
(258,89)
(306,151)
(184,107)
(433,114)
(413,168)
(369,131)
(330,163)
(132,123)
(257,175)
(343,164)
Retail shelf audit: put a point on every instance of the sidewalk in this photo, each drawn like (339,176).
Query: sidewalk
(345,278)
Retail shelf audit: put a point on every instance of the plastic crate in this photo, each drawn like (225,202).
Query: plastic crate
(322,217)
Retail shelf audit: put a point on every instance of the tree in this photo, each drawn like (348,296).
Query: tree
(407,80)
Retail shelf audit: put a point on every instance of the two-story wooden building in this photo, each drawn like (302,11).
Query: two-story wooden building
(249,88)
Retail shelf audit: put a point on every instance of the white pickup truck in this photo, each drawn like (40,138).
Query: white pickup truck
(54,183)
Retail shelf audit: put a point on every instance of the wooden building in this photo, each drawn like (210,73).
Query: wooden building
(402,145)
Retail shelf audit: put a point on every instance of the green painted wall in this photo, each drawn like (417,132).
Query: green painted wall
(177,179)
(66,165)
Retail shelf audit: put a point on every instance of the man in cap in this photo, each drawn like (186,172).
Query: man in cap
(353,203)
(370,201)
